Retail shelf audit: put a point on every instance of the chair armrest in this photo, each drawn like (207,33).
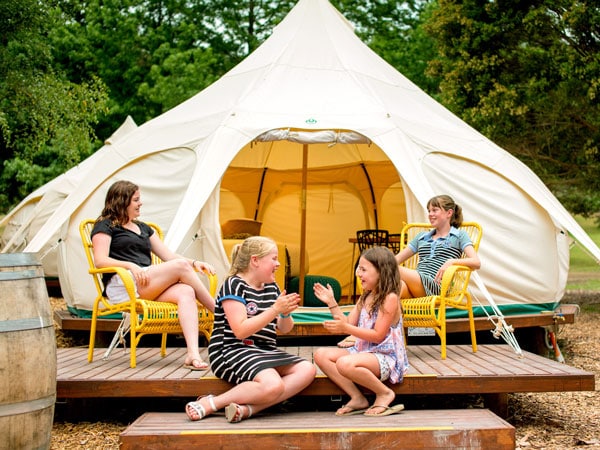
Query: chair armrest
(449,277)
(212,282)
(454,287)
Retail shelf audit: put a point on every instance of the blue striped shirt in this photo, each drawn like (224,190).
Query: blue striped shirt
(433,253)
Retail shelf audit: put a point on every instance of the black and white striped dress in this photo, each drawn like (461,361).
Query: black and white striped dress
(235,360)
(433,253)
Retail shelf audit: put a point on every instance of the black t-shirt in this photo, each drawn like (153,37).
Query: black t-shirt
(126,245)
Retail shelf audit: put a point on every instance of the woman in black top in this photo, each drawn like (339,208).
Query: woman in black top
(121,240)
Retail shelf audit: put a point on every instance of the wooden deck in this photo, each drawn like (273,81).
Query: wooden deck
(494,370)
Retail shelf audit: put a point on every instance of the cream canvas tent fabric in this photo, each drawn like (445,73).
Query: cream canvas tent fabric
(23,222)
(213,158)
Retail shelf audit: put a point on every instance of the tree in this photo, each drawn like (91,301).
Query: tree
(155,54)
(46,122)
(526,73)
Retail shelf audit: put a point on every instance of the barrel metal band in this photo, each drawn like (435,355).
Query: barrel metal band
(20,275)
(11,409)
(32,323)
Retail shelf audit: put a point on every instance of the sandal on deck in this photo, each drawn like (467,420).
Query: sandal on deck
(347,410)
(234,412)
(195,410)
(387,410)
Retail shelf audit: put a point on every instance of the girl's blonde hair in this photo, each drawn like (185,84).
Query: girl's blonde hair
(241,254)
(386,265)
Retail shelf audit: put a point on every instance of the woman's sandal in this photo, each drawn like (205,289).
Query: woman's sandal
(195,410)
(234,413)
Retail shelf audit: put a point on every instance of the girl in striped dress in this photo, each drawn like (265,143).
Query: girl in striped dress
(249,310)
(438,249)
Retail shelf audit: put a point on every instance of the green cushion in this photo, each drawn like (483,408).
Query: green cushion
(309,281)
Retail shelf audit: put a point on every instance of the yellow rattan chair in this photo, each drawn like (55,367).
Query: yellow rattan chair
(430,312)
(147,316)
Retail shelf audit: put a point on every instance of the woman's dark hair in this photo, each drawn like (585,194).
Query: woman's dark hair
(118,199)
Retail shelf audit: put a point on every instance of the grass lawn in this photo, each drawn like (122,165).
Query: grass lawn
(584,271)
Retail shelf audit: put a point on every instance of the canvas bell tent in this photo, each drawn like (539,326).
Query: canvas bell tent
(23,222)
(315,136)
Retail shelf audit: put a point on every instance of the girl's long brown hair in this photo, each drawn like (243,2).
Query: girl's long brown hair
(389,276)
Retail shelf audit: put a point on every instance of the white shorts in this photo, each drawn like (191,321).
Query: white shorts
(115,289)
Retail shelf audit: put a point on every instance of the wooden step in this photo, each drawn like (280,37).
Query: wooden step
(446,428)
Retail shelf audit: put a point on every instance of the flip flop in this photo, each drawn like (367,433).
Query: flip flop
(201,365)
(388,410)
(351,411)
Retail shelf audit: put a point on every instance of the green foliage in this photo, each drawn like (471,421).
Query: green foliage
(46,122)
(178,77)
(525,73)
(155,54)
(580,260)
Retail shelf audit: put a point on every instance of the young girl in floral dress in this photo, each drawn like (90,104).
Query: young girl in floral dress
(379,353)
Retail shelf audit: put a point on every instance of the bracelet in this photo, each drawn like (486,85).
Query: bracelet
(285,316)
(331,307)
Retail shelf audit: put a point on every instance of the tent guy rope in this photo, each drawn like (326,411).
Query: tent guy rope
(501,328)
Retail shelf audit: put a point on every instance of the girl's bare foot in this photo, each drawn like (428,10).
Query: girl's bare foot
(195,364)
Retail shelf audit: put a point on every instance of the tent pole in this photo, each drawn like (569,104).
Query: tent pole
(262,182)
(364,168)
(303,222)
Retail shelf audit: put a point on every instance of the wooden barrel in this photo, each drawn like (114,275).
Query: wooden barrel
(27,354)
